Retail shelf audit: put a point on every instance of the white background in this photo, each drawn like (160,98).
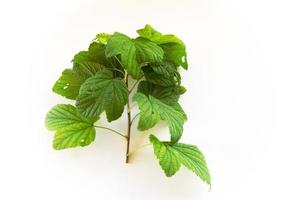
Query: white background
(243,100)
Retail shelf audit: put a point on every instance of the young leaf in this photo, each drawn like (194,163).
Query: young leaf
(133,52)
(172,155)
(154,107)
(102,92)
(174,48)
(103,38)
(72,128)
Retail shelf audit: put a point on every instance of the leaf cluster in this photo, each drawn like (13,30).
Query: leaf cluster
(98,82)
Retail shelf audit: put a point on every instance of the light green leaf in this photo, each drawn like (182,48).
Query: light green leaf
(151,107)
(103,37)
(102,92)
(172,155)
(68,85)
(134,52)
(72,128)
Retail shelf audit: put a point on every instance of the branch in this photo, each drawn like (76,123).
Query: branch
(132,88)
(112,130)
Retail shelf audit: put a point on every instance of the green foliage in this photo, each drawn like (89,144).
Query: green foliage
(100,82)
(72,128)
(171,156)
(102,92)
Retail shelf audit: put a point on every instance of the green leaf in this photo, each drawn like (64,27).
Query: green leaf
(174,48)
(95,54)
(134,52)
(72,128)
(68,84)
(164,68)
(151,107)
(171,156)
(102,92)
(150,33)
(149,114)
(85,65)
(165,94)
(87,69)
(162,73)
(103,37)
(158,79)
(176,54)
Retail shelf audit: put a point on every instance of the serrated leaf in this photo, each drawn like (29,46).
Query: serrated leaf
(72,128)
(134,52)
(158,79)
(165,94)
(87,69)
(149,115)
(85,65)
(102,92)
(95,54)
(174,118)
(174,48)
(68,85)
(150,107)
(164,68)
(172,155)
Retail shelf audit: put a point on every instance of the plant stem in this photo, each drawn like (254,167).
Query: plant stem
(112,130)
(135,84)
(134,117)
(129,123)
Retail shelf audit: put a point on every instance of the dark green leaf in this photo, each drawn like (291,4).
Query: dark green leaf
(176,54)
(95,54)
(165,94)
(102,92)
(174,48)
(158,79)
(133,52)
